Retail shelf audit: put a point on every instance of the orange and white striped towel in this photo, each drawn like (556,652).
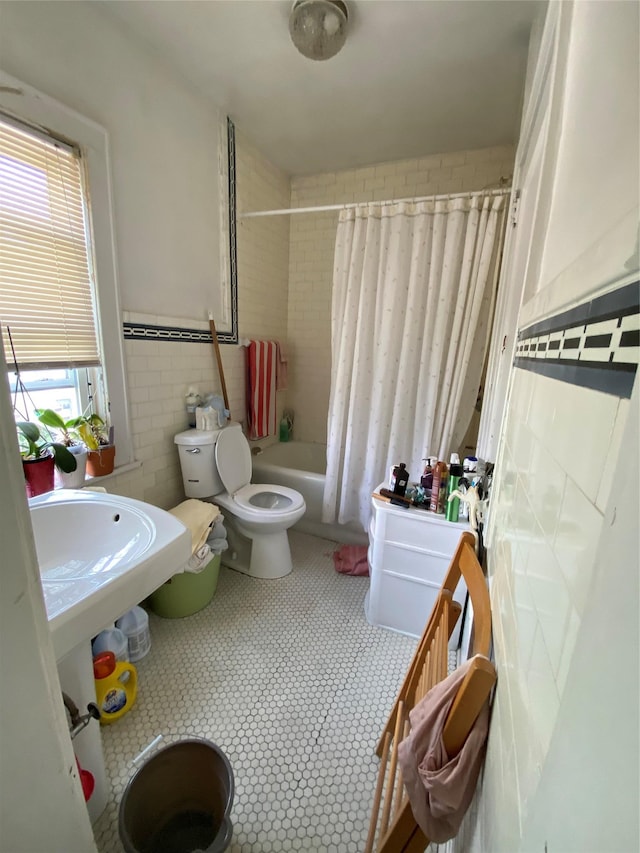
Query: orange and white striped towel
(261,388)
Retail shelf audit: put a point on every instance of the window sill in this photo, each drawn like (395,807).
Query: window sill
(96,481)
(122,469)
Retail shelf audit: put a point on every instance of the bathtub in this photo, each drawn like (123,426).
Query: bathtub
(302,465)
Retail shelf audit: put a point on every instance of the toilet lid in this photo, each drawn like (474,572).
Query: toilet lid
(233,459)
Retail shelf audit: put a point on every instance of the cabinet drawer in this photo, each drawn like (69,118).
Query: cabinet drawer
(415,565)
(428,533)
(404,605)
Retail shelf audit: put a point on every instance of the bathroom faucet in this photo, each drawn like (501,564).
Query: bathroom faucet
(79,722)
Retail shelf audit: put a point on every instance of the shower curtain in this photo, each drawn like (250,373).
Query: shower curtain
(413,293)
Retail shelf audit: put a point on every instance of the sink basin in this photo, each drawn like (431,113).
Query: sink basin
(99,555)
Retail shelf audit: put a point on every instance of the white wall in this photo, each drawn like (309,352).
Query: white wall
(562,764)
(163,139)
(41,805)
(312,247)
(166,218)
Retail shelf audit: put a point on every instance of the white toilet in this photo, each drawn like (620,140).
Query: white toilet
(216,466)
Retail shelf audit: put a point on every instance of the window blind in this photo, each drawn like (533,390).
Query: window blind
(46,287)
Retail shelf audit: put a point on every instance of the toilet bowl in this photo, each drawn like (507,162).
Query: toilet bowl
(216,466)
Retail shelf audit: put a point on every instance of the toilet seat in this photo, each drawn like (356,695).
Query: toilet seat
(251,501)
(268,501)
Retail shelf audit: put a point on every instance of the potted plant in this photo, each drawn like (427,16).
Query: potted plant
(40,457)
(71,439)
(101,450)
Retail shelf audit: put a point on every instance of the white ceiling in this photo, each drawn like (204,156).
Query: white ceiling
(415,76)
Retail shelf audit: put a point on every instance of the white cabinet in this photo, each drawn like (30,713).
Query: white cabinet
(409,552)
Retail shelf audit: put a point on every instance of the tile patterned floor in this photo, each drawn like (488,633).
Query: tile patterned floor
(290,680)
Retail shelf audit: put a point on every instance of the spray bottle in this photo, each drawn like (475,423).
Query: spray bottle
(439,473)
(455,473)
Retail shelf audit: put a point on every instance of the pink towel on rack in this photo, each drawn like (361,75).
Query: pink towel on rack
(440,788)
(261,388)
(281,367)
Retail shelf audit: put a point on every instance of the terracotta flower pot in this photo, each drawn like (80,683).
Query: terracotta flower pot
(38,475)
(101,462)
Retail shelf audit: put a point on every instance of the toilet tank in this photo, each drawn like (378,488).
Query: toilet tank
(196,449)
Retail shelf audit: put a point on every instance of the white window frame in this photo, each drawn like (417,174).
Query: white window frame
(28,104)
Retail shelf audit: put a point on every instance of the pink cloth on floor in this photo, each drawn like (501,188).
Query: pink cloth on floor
(441,789)
(351,560)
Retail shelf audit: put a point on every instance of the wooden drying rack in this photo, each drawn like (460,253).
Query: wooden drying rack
(393,827)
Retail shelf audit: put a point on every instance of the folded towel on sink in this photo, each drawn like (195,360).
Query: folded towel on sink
(197,516)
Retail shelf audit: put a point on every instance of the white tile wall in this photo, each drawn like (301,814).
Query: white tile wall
(263,252)
(546,519)
(159,372)
(311,255)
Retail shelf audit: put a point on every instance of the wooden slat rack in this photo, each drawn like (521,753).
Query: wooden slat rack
(393,828)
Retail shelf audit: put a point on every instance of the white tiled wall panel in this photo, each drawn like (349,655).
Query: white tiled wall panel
(311,255)
(159,372)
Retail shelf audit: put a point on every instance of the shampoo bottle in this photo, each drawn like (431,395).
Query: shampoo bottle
(444,481)
(427,475)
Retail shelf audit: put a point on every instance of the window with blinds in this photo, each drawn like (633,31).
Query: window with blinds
(46,271)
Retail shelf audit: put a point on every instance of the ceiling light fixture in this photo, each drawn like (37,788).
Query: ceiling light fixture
(318,28)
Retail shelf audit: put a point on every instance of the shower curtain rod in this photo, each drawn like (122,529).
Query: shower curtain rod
(349,206)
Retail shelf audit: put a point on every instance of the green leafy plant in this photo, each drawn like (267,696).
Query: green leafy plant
(69,430)
(33,445)
(94,432)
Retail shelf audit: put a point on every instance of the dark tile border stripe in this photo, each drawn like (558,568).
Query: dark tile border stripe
(578,340)
(608,377)
(232,337)
(150,332)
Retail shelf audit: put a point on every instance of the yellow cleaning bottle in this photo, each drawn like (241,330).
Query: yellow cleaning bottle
(115,695)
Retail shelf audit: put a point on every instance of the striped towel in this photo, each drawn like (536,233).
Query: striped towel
(261,388)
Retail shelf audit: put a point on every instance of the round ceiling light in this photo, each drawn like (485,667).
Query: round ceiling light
(318,27)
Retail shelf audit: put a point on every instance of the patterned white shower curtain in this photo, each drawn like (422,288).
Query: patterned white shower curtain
(413,288)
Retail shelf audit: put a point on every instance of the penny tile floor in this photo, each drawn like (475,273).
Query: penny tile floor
(291,682)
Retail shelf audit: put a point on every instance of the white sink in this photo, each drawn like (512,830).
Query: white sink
(99,555)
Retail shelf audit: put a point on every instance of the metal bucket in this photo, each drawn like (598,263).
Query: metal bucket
(179,801)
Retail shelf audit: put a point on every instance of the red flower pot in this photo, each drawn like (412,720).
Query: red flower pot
(38,475)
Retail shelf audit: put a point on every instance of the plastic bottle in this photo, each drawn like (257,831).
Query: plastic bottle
(455,473)
(135,626)
(439,472)
(427,475)
(284,430)
(114,695)
(444,482)
(192,401)
(112,640)
(400,479)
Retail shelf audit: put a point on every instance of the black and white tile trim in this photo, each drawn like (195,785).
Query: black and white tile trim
(595,345)
(150,332)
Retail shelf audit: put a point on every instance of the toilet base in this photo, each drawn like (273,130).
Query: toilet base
(265,555)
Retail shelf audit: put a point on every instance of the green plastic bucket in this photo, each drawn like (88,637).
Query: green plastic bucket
(186,593)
